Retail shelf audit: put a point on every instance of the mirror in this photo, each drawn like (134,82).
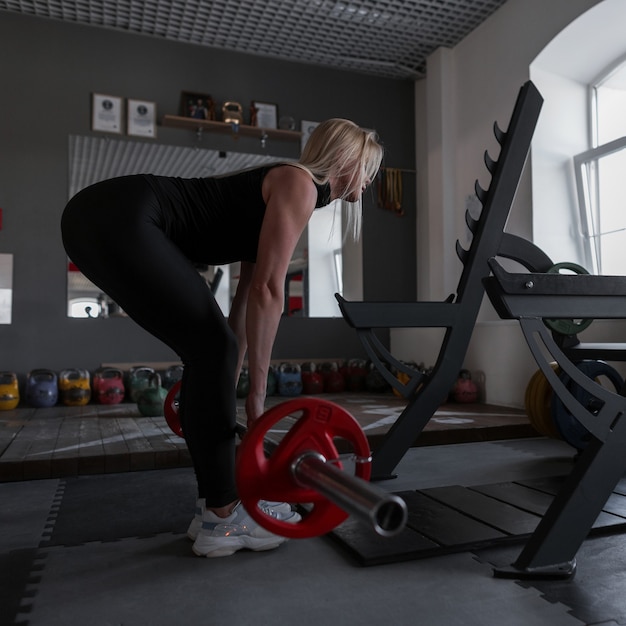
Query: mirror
(6,288)
(321,266)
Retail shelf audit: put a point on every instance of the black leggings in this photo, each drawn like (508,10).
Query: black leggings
(114,232)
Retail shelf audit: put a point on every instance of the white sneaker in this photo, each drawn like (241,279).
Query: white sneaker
(224,536)
(283,509)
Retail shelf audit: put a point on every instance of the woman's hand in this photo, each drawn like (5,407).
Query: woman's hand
(255,407)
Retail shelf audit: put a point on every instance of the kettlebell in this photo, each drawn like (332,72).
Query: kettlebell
(465,390)
(356,375)
(108,385)
(151,398)
(334,377)
(74,387)
(172,375)
(375,381)
(243,384)
(42,388)
(289,379)
(138,379)
(312,381)
(9,391)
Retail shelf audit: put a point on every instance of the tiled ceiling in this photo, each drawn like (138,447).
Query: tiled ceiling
(389,38)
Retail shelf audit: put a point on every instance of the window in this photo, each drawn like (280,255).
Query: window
(601,176)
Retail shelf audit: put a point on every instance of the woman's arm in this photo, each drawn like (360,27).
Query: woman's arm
(290,197)
(237,315)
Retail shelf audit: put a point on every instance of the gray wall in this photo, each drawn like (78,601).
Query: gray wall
(50,69)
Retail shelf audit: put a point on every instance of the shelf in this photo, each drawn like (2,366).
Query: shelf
(176,121)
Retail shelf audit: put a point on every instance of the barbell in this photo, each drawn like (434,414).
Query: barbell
(306,469)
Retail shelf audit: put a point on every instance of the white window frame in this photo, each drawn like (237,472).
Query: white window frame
(586,173)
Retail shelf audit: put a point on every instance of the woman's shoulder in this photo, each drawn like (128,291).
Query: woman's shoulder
(288,175)
(303,179)
(289,171)
(287,178)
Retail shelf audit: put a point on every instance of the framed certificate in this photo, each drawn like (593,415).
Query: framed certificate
(106,113)
(265,114)
(141,116)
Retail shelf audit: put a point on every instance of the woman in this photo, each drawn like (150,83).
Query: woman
(138,238)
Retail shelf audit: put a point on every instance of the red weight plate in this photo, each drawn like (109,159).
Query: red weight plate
(271,478)
(170,409)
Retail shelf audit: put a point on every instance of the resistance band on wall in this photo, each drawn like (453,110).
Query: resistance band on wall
(390,190)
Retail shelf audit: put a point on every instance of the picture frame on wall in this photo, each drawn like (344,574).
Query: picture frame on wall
(106,113)
(200,106)
(141,116)
(265,114)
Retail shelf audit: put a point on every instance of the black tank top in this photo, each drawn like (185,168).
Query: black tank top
(217,220)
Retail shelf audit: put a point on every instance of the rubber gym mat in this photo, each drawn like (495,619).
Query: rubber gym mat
(595,595)
(19,572)
(115,506)
(444,520)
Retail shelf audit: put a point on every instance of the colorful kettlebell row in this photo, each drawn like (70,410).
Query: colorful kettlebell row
(148,389)
(356,375)
(75,387)
(309,378)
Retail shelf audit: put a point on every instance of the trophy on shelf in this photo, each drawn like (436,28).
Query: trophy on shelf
(232,113)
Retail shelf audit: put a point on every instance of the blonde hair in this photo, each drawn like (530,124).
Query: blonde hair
(340,149)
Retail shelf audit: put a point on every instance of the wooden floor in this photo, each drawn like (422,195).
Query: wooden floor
(97,439)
